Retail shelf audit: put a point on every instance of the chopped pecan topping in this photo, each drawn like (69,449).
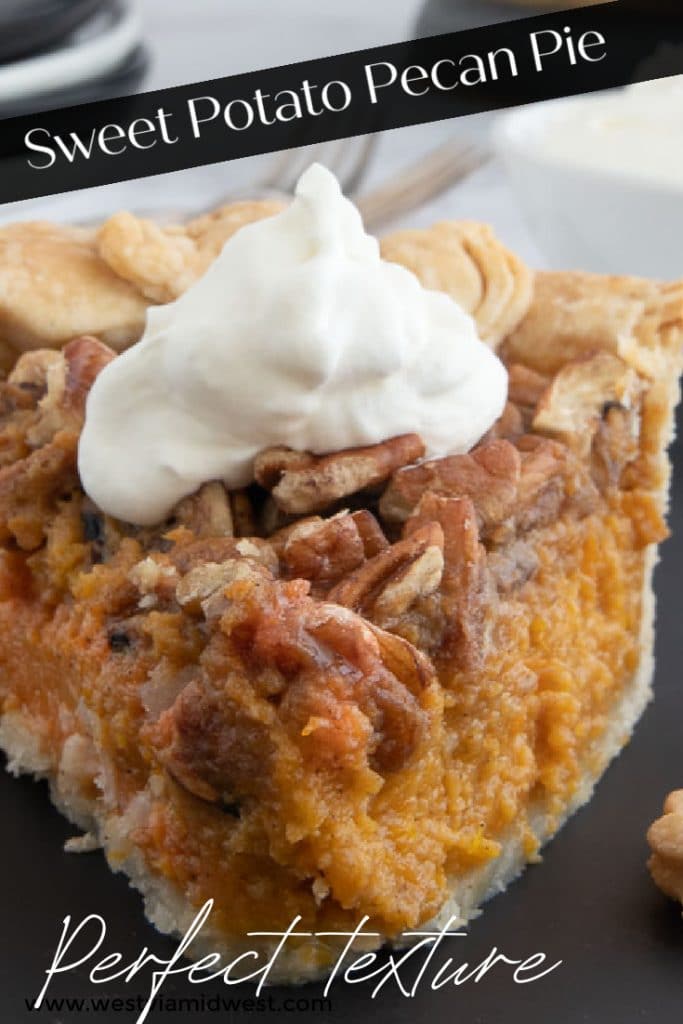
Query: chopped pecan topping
(243,515)
(207,513)
(210,578)
(616,445)
(525,386)
(187,553)
(31,488)
(271,464)
(509,426)
(286,672)
(666,842)
(489,475)
(324,551)
(466,594)
(65,379)
(541,488)
(511,566)
(307,483)
(513,487)
(32,368)
(85,358)
(154,579)
(387,585)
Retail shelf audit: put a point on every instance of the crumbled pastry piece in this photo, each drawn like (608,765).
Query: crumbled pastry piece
(309,483)
(666,842)
(574,314)
(54,287)
(163,261)
(466,261)
(572,407)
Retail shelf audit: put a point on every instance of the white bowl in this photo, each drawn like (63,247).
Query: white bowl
(587,219)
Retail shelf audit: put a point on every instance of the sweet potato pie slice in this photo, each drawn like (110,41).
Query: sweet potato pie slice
(368,684)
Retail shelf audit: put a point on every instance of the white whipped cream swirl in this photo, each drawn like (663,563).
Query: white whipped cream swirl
(299,334)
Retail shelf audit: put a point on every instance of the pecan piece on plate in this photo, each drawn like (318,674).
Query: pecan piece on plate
(666,842)
(302,483)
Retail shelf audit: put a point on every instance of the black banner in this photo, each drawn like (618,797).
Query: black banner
(448,76)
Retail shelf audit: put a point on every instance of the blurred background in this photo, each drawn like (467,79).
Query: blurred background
(59,52)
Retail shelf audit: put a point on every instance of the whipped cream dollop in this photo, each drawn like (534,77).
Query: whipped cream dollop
(299,334)
(634,132)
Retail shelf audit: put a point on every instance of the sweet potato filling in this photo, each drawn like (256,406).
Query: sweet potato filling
(329,716)
(512,733)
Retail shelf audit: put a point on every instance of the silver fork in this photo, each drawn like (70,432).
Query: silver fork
(347,158)
(429,176)
(423,180)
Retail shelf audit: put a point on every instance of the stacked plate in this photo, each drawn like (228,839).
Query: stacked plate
(54,53)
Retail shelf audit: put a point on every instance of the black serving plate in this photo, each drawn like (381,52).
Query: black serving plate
(590,904)
(28,26)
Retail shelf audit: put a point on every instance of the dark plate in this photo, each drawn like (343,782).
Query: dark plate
(590,903)
(27,26)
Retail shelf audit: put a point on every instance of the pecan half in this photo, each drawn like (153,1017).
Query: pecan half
(489,475)
(386,586)
(466,594)
(325,551)
(666,842)
(309,483)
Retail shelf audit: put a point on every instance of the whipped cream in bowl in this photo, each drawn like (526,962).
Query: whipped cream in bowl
(600,178)
(299,334)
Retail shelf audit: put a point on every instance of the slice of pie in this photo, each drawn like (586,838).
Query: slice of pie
(366,684)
